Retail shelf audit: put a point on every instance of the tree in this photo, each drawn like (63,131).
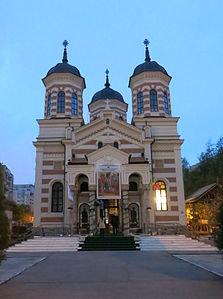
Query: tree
(207,171)
(4,223)
(219,235)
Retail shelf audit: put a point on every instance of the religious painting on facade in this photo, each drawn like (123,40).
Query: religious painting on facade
(108,184)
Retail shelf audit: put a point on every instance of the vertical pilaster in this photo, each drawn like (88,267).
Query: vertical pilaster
(144,207)
(92,212)
(75,212)
(38,186)
(125,212)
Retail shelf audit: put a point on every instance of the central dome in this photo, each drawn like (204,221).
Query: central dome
(107,93)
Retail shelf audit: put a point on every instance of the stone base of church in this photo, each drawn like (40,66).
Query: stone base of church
(158,229)
(169,229)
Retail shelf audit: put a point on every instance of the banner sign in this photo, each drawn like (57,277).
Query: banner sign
(108,182)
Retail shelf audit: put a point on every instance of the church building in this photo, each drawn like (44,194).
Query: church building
(108,167)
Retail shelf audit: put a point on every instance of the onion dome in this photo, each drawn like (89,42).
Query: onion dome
(148,65)
(64,67)
(107,93)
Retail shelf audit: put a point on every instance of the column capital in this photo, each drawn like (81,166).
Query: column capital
(125,187)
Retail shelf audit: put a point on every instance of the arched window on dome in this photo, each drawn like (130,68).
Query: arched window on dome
(166,107)
(74,104)
(100,144)
(57,197)
(140,103)
(49,105)
(115,144)
(161,196)
(153,100)
(61,102)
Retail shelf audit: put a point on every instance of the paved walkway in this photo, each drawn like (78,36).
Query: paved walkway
(104,275)
(212,263)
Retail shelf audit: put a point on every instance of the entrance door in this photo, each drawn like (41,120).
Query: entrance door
(110,210)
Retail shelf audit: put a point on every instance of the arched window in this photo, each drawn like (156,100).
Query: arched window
(115,144)
(57,197)
(74,104)
(153,100)
(166,108)
(84,187)
(61,102)
(100,144)
(133,186)
(140,102)
(49,105)
(161,198)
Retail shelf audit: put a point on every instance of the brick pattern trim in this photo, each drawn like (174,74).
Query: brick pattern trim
(51,219)
(164,170)
(167,218)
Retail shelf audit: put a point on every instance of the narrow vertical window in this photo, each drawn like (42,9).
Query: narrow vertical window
(57,197)
(74,104)
(166,108)
(140,103)
(161,198)
(49,105)
(153,101)
(61,102)
(100,144)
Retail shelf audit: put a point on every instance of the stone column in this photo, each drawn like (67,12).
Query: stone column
(151,209)
(125,210)
(144,207)
(93,225)
(75,212)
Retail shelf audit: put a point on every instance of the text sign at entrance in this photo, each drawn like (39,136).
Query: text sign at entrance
(108,182)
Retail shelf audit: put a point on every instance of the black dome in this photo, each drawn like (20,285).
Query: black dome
(64,68)
(107,93)
(149,66)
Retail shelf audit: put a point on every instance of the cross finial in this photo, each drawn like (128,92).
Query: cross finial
(146,43)
(107,84)
(65,43)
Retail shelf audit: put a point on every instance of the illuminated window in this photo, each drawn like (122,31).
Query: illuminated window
(49,105)
(74,104)
(153,100)
(61,102)
(166,108)
(140,103)
(161,200)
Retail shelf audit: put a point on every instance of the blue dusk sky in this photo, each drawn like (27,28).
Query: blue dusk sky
(186,38)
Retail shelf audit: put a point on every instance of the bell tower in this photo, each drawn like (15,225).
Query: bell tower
(150,89)
(64,90)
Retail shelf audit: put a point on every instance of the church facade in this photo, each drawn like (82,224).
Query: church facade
(108,167)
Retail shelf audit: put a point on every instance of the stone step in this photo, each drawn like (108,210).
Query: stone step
(47,244)
(173,243)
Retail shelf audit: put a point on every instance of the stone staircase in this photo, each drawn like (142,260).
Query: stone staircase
(47,244)
(173,243)
(111,243)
